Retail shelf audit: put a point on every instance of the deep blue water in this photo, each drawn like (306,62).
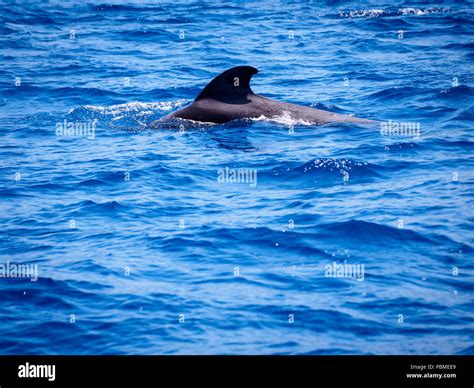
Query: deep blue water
(141,250)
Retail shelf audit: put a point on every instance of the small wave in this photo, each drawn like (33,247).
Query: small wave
(375,13)
(131,117)
(47,186)
(405,147)
(13,193)
(398,92)
(467,351)
(460,144)
(141,108)
(145,35)
(263,238)
(323,171)
(459,46)
(92,182)
(456,92)
(333,164)
(89,205)
(419,11)
(89,265)
(362,13)
(343,167)
(106,7)
(364,231)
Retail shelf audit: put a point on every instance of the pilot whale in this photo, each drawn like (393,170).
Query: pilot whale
(229,97)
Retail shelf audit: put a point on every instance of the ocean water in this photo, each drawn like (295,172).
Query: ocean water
(342,239)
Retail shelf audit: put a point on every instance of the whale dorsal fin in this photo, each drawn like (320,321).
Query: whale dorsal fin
(232,86)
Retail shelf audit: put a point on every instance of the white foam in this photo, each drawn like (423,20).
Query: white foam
(418,11)
(373,13)
(284,119)
(141,108)
(362,13)
(194,122)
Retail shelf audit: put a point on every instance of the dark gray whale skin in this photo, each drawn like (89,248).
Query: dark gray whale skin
(229,97)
